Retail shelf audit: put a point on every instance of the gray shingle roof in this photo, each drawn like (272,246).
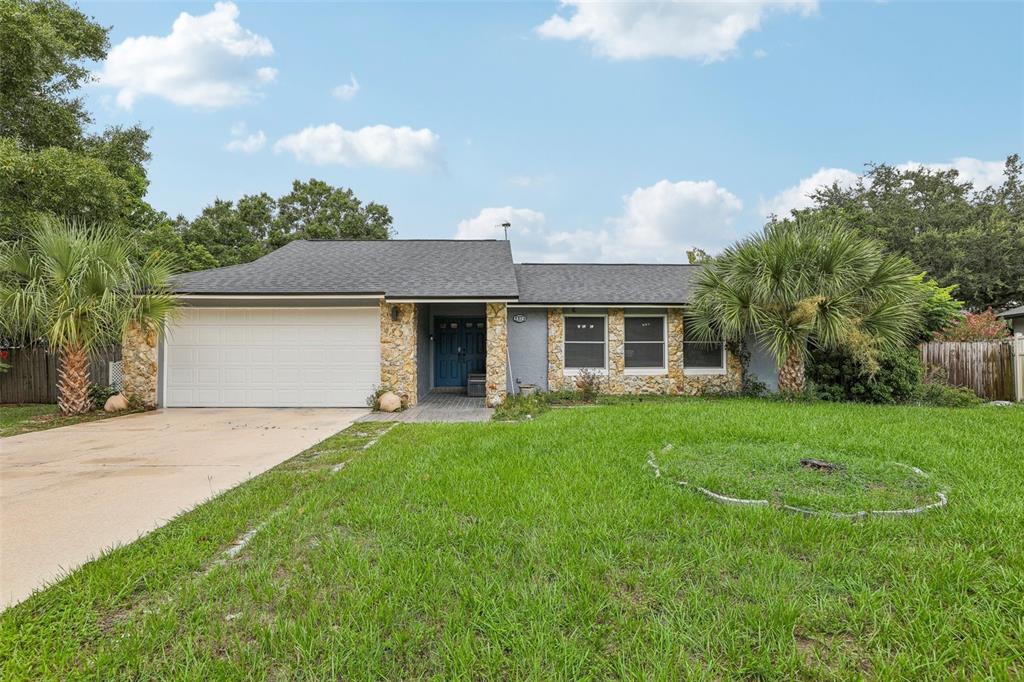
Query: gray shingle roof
(1013,312)
(583,283)
(399,268)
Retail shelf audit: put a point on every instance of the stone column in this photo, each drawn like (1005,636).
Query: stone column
(139,361)
(675,350)
(556,349)
(398,350)
(616,351)
(497,353)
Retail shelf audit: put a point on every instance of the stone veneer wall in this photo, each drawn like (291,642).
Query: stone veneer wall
(674,382)
(139,361)
(556,351)
(497,353)
(731,381)
(398,350)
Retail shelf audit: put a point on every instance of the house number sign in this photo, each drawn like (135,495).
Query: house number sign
(519,317)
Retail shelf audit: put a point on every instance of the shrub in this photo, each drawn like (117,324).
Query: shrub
(588,383)
(838,376)
(938,307)
(519,407)
(935,390)
(100,394)
(975,327)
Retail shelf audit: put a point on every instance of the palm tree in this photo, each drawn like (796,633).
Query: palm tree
(75,288)
(808,282)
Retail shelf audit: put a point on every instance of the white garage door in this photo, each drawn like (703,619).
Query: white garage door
(290,357)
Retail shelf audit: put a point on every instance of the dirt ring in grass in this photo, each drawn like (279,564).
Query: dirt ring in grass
(941,499)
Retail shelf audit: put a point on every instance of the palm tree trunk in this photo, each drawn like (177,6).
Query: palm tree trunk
(791,373)
(73,384)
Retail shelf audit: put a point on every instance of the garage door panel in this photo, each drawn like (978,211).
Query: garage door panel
(272,357)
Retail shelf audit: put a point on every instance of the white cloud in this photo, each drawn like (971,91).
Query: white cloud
(709,31)
(799,195)
(658,224)
(980,173)
(760,53)
(378,145)
(244,141)
(347,91)
(661,221)
(204,62)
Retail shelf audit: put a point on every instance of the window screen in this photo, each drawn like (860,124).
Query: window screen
(584,343)
(645,342)
(699,354)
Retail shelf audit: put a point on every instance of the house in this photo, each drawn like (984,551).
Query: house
(321,323)
(1015,318)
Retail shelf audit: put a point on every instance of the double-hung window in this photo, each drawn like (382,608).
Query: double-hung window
(645,342)
(700,356)
(585,342)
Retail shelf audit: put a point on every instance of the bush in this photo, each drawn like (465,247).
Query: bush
(940,395)
(100,394)
(975,327)
(588,383)
(519,407)
(838,376)
(936,391)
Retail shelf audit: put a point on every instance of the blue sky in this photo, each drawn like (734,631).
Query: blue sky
(603,132)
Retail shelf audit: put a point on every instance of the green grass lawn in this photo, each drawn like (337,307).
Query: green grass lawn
(16,419)
(547,550)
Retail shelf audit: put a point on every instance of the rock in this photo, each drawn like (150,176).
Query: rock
(389,402)
(1001,403)
(116,403)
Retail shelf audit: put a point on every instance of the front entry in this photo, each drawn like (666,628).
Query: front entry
(460,349)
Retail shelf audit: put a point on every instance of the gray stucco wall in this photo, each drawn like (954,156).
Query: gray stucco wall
(762,365)
(528,346)
(424,357)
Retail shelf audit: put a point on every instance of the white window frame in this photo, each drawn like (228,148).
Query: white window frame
(703,371)
(573,371)
(647,371)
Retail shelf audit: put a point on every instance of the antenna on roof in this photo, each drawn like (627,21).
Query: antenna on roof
(506,225)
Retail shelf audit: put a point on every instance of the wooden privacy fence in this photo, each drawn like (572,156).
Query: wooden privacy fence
(32,377)
(992,369)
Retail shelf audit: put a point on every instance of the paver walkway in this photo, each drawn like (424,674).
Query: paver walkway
(438,407)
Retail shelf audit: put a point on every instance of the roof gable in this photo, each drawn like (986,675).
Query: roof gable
(406,268)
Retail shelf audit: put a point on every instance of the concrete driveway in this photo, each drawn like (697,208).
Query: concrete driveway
(69,493)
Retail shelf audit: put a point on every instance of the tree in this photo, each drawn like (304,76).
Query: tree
(42,46)
(48,164)
(803,283)
(938,307)
(316,210)
(983,326)
(230,233)
(697,256)
(943,224)
(77,289)
(222,230)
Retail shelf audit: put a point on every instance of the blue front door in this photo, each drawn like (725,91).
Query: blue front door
(460,349)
